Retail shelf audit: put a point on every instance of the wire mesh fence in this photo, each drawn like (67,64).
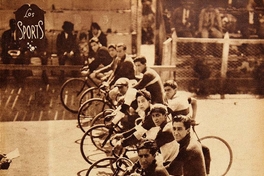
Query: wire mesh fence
(207,66)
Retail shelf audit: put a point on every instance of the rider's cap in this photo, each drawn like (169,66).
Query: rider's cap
(148,144)
(159,108)
(121,82)
(144,93)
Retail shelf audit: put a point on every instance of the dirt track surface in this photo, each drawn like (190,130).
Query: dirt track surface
(51,147)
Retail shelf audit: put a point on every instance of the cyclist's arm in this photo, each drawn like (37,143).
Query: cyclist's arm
(144,81)
(104,69)
(140,130)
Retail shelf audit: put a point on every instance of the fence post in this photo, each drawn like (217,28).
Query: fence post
(174,52)
(225,53)
(166,56)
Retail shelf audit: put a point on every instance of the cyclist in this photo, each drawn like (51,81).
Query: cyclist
(127,104)
(155,127)
(123,66)
(147,165)
(150,80)
(190,159)
(106,71)
(178,103)
(100,58)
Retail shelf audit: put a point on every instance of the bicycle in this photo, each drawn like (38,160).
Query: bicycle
(220,153)
(117,164)
(94,106)
(100,136)
(72,89)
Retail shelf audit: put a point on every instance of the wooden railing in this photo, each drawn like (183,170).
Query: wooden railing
(160,69)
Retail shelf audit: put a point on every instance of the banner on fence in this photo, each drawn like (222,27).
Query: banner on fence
(30,27)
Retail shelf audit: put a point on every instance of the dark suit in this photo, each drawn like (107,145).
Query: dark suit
(186,29)
(210,24)
(67,45)
(8,43)
(246,28)
(101,57)
(190,159)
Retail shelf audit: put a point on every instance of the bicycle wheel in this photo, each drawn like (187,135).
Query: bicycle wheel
(220,153)
(70,93)
(96,135)
(89,110)
(92,92)
(103,167)
(100,118)
(110,166)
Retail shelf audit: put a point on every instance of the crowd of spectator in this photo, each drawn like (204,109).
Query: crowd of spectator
(211,19)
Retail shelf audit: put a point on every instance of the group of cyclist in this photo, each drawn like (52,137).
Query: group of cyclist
(154,117)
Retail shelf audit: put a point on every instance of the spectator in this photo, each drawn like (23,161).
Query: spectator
(67,47)
(190,159)
(183,20)
(147,164)
(13,53)
(148,22)
(96,31)
(112,50)
(210,24)
(9,42)
(83,47)
(151,80)
(249,22)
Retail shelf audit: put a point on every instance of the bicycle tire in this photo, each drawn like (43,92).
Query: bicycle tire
(100,118)
(92,92)
(72,87)
(215,154)
(96,136)
(89,110)
(105,166)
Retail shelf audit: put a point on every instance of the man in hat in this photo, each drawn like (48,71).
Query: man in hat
(67,47)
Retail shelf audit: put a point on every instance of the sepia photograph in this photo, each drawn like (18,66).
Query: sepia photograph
(131,87)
